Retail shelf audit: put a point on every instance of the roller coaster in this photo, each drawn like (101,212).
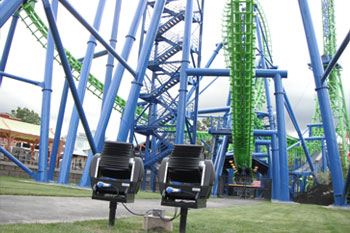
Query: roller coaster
(246,141)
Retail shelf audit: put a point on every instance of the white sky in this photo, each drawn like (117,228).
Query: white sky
(27,57)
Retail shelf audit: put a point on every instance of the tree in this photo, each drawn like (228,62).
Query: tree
(26,115)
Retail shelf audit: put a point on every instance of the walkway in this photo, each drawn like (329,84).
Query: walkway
(35,209)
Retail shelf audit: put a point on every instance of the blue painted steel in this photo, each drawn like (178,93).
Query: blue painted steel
(96,55)
(261,132)
(186,48)
(58,130)
(219,163)
(8,8)
(325,107)
(262,142)
(74,120)
(112,42)
(67,71)
(260,155)
(274,169)
(16,161)
(260,73)
(113,91)
(297,128)
(334,60)
(96,35)
(214,110)
(7,47)
(36,83)
(282,139)
(129,113)
(46,105)
(210,61)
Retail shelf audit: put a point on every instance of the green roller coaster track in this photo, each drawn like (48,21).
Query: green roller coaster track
(239,31)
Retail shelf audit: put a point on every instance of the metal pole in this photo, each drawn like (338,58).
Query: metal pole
(181,106)
(336,57)
(325,106)
(282,139)
(16,161)
(8,8)
(74,120)
(36,83)
(297,128)
(112,42)
(128,117)
(8,43)
(274,165)
(196,103)
(259,73)
(58,130)
(183,219)
(112,211)
(68,73)
(46,104)
(113,91)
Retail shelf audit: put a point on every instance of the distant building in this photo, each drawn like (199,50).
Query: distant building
(22,139)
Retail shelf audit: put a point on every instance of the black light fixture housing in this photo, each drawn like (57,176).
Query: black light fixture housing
(186,179)
(115,175)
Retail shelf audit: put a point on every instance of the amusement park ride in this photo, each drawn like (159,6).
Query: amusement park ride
(246,140)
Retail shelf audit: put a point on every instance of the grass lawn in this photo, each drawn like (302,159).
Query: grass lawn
(265,217)
(16,186)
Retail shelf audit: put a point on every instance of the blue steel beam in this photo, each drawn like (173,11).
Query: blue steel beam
(8,8)
(36,83)
(274,165)
(98,37)
(67,71)
(282,139)
(214,110)
(74,120)
(16,161)
(129,113)
(7,47)
(113,91)
(58,130)
(46,105)
(260,73)
(186,48)
(297,128)
(112,42)
(334,60)
(325,106)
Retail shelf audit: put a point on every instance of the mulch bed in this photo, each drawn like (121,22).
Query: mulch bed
(319,195)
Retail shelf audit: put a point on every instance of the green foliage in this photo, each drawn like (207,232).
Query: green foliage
(26,115)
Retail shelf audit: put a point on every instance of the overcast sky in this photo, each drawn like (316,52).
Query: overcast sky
(27,57)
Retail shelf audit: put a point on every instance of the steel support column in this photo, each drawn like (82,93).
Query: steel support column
(113,90)
(128,117)
(282,139)
(325,106)
(67,71)
(58,130)
(181,107)
(74,120)
(46,105)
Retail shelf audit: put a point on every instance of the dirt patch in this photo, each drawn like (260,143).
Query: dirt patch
(319,195)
